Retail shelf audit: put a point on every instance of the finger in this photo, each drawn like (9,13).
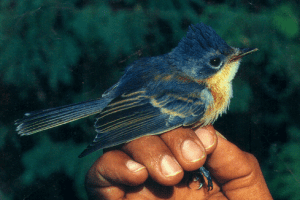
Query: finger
(186,147)
(190,148)
(111,170)
(237,171)
(208,138)
(153,153)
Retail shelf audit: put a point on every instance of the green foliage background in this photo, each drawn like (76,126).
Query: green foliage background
(57,52)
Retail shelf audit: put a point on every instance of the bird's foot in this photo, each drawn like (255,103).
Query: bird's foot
(199,175)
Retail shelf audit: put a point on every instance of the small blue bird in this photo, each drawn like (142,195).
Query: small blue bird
(190,86)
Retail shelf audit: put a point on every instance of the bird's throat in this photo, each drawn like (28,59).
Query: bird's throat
(221,89)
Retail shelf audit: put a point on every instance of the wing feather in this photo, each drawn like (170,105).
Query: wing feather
(134,115)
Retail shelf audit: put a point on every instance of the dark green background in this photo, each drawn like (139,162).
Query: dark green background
(54,53)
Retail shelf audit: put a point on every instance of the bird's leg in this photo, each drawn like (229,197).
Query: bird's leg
(204,172)
(200,175)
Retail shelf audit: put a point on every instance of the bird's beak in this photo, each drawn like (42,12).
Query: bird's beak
(242,52)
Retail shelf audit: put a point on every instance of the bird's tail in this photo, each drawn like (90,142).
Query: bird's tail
(44,119)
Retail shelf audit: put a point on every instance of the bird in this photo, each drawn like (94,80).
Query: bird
(191,86)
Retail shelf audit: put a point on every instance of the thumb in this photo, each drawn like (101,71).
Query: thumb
(237,171)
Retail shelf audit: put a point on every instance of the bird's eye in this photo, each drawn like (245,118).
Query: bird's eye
(215,62)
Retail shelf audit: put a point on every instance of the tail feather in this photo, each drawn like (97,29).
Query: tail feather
(45,119)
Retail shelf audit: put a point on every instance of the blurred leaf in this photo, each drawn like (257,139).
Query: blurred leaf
(5,196)
(285,20)
(285,184)
(48,157)
(4,130)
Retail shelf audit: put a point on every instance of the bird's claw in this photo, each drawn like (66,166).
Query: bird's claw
(200,175)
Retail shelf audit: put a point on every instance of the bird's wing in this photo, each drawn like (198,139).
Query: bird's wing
(136,114)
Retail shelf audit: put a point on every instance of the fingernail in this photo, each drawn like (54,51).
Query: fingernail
(134,166)
(207,139)
(169,166)
(191,151)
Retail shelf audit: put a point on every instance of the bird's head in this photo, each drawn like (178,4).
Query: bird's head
(203,53)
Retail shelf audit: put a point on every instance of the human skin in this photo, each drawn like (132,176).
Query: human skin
(158,167)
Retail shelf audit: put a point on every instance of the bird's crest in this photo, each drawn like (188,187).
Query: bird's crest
(201,38)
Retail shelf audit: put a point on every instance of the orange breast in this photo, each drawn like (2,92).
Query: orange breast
(221,89)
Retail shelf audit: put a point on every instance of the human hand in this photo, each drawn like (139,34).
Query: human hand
(157,167)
